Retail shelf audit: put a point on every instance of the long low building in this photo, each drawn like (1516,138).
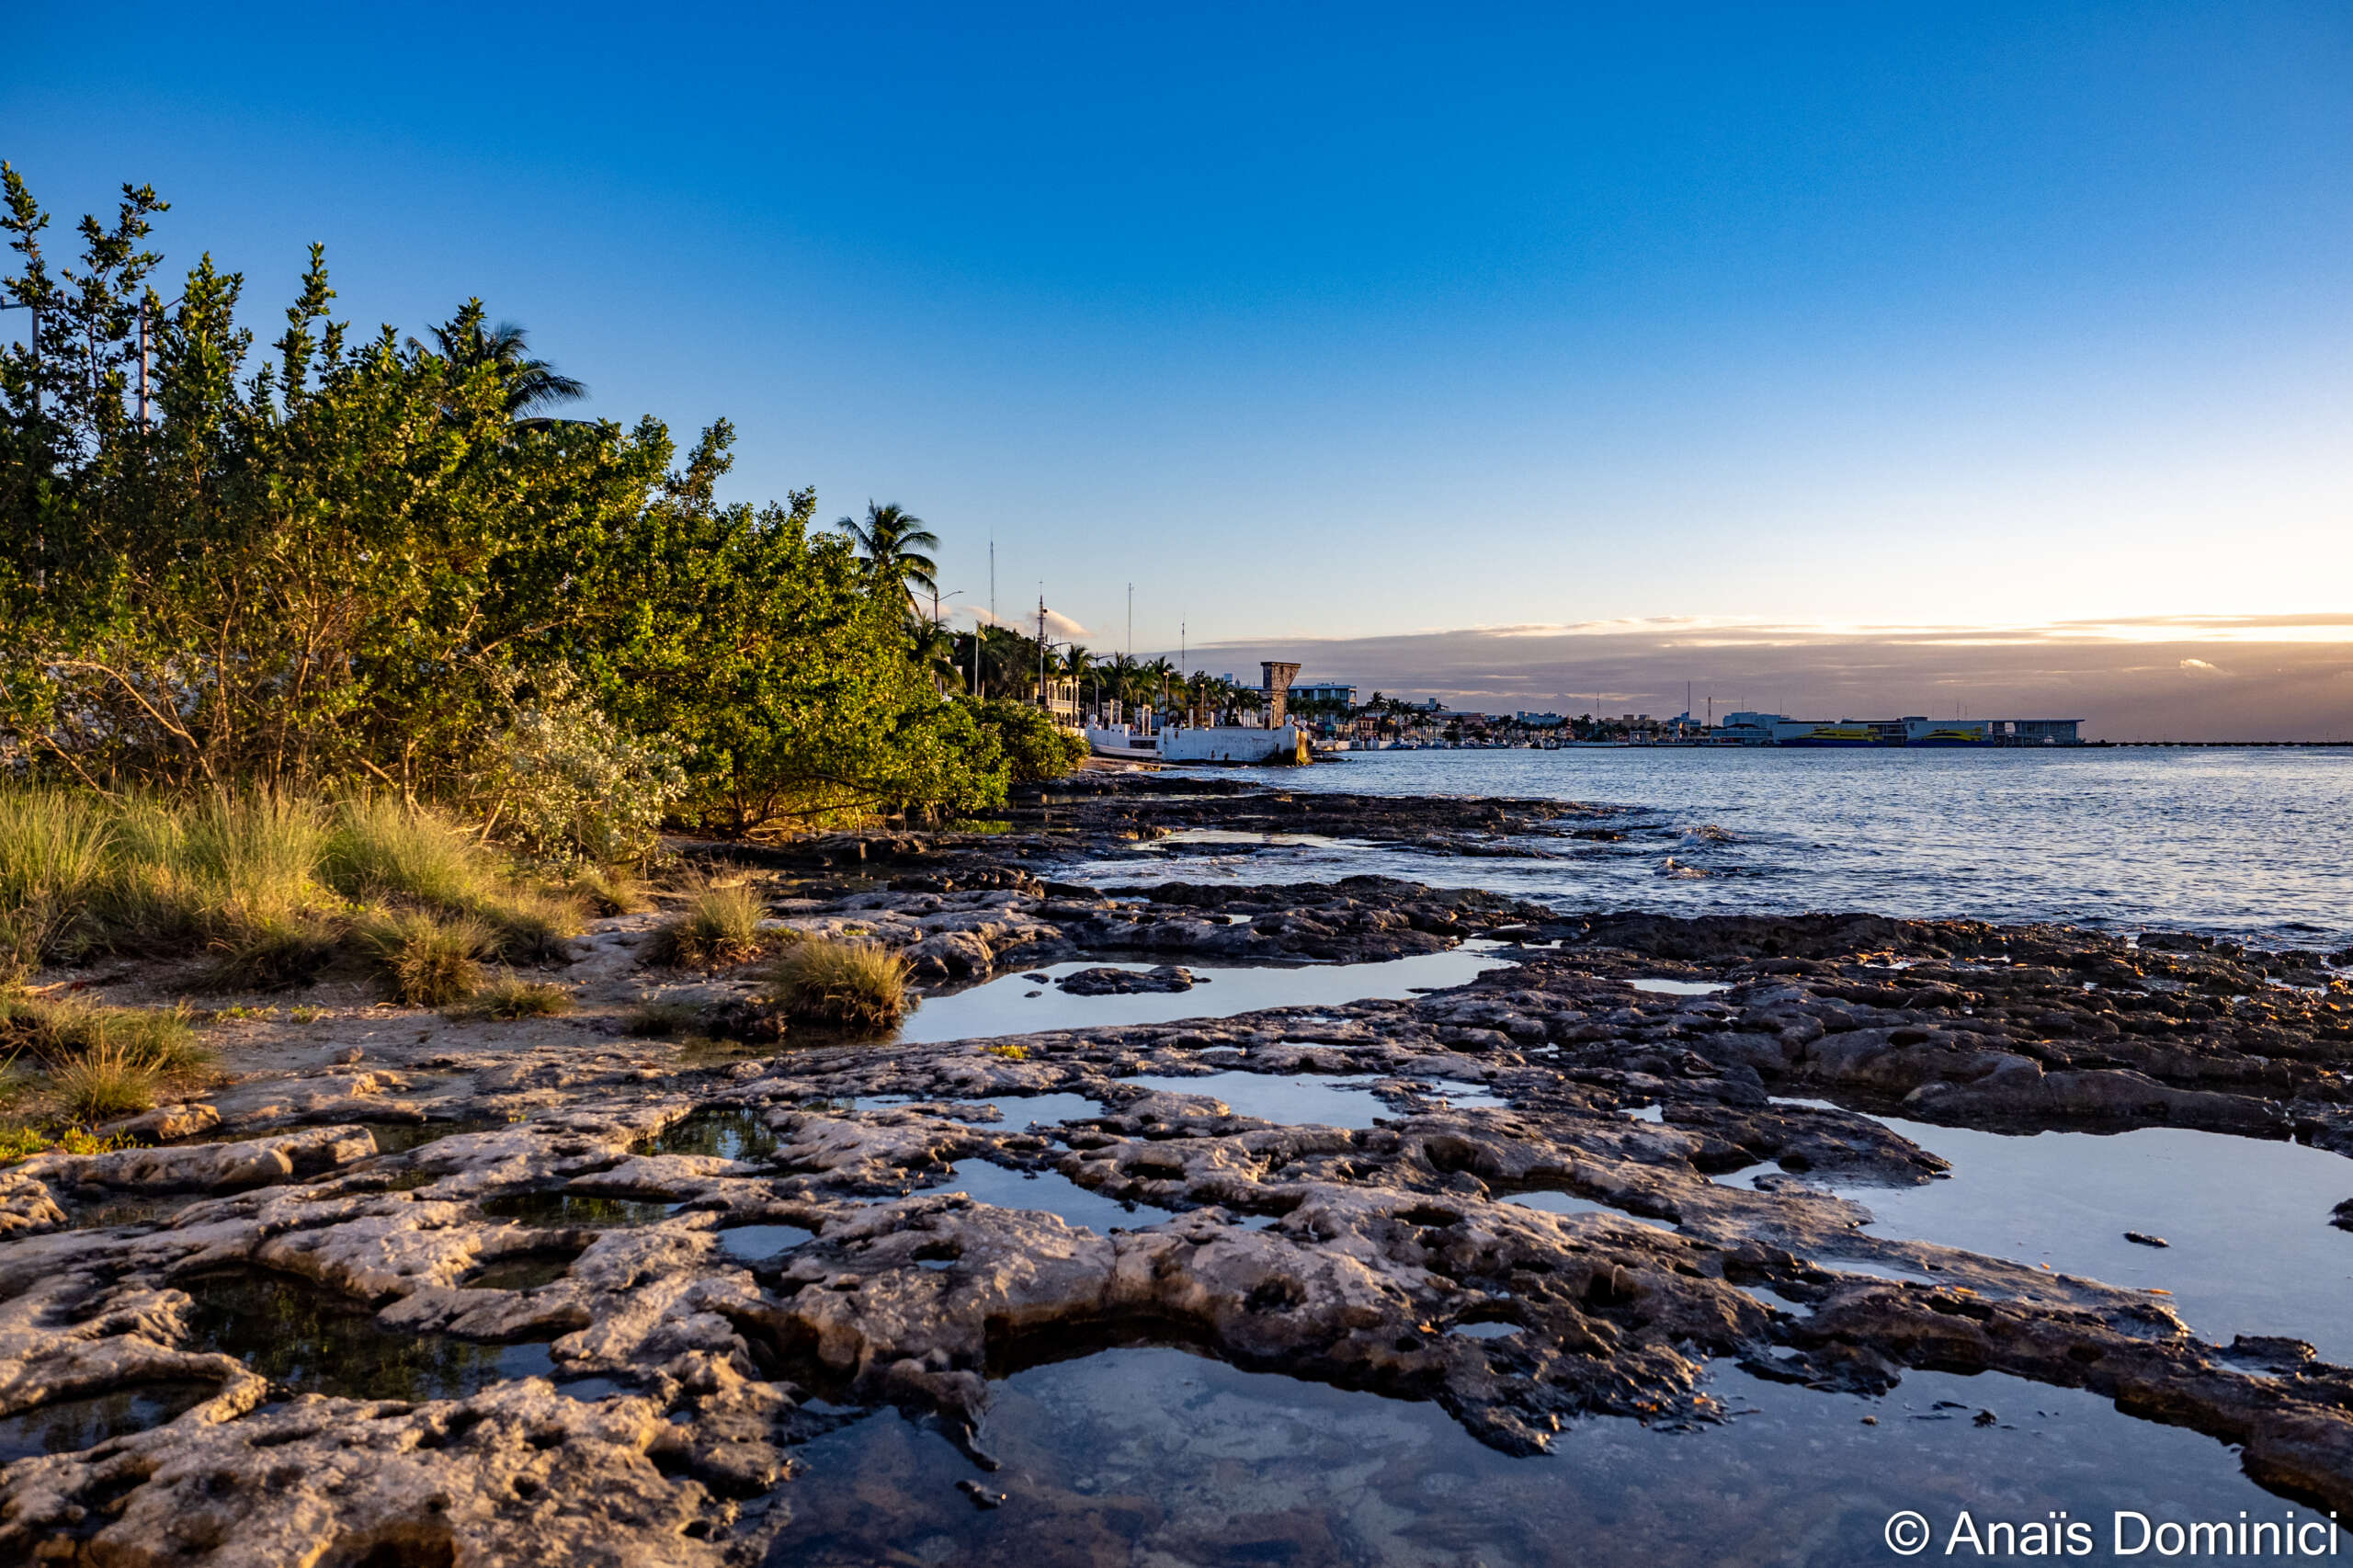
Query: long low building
(1779,730)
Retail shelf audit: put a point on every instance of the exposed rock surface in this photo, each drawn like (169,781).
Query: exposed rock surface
(544,1231)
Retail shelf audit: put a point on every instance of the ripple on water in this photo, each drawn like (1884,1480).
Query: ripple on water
(1156,1455)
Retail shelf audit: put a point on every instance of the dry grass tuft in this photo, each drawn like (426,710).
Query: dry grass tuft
(718,925)
(108,1080)
(510,996)
(855,985)
(424,960)
(661,1020)
(611,890)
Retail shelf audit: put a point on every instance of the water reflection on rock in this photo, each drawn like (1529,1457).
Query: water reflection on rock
(1156,1456)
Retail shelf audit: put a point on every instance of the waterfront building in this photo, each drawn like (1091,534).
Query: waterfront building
(1341,692)
(1913,730)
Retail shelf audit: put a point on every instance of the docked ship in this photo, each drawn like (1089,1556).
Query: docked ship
(1915,730)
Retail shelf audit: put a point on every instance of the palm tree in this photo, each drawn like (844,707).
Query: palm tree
(933,647)
(531,384)
(893,539)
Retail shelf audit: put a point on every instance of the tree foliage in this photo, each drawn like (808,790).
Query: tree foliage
(362,559)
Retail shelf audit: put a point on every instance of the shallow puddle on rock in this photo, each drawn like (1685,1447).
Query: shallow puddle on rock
(400,1137)
(1051,1191)
(756,1243)
(524,1271)
(1680,987)
(1004,1005)
(729,1132)
(1552,1202)
(1147,1456)
(575,1211)
(1462,1094)
(1014,1111)
(125,1210)
(70,1425)
(1269,1097)
(2252,1250)
(312,1340)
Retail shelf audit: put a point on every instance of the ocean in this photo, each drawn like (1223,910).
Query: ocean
(2251,844)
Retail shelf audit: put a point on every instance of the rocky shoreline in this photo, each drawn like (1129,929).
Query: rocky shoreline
(638,1272)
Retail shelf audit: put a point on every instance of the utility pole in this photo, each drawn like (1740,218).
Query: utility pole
(1131,622)
(1044,699)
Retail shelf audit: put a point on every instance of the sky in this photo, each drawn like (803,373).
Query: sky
(1910,354)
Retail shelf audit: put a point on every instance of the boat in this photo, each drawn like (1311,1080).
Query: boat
(1838,735)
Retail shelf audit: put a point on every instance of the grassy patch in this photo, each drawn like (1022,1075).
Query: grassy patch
(511,997)
(421,959)
(270,890)
(856,985)
(52,859)
(719,923)
(86,1063)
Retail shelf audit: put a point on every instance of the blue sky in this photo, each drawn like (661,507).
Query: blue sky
(1355,321)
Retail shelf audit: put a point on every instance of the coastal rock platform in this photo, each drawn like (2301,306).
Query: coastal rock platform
(548,1290)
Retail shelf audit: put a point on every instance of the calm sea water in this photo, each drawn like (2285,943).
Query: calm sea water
(2240,843)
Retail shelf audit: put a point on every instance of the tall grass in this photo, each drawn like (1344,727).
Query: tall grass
(97,1062)
(271,888)
(378,848)
(53,861)
(856,985)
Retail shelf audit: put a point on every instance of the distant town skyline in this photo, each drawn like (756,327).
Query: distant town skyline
(2191,679)
(1374,325)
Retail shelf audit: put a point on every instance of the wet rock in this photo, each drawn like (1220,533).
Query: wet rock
(2144,1239)
(1108,982)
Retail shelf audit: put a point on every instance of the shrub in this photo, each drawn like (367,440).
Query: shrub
(510,996)
(571,784)
(860,985)
(424,960)
(719,923)
(1036,747)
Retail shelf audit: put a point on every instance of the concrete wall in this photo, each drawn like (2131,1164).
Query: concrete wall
(1225,742)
